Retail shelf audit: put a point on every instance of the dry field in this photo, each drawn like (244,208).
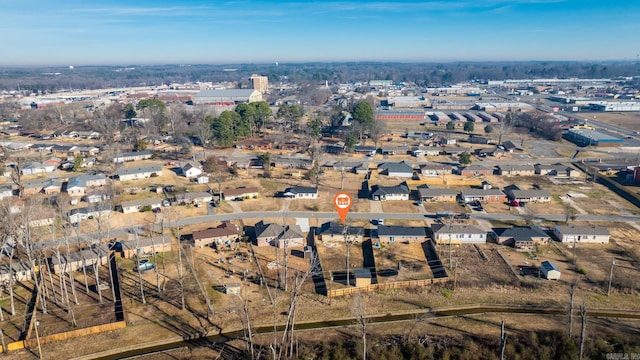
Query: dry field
(627,120)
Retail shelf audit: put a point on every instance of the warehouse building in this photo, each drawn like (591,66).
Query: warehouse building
(228,97)
(585,137)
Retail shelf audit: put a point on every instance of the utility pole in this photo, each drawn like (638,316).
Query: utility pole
(347,241)
(613,262)
(450,248)
(503,339)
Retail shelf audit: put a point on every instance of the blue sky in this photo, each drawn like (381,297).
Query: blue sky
(45,32)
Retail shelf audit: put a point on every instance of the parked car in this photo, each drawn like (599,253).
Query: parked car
(144,265)
(462,216)
(514,203)
(380,221)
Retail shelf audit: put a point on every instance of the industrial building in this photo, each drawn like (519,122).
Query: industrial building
(591,137)
(390,115)
(227,97)
(260,83)
(615,106)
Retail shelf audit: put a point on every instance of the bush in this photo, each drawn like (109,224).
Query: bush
(446,292)
(580,270)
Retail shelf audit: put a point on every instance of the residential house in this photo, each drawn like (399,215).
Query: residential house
(475,139)
(485,195)
(400,169)
(47,186)
(454,150)
(63,150)
(84,213)
(385,193)
(41,148)
(476,170)
(18,271)
(242,192)
(366,150)
(133,156)
(143,246)
(223,234)
(88,134)
(425,151)
(190,198)
(78,185)
(278,235)
(254,144)
(432,194)
(581,234)
(139,172)
(95,255)
(87,151)
(516,170)
(334,232)
(510,146)
(54,161)
(528,195)
(43,217)
(522,238)
(457,234)
(436,169)
(301,192)
(132,206)
(394,150)
(492,152)
(96,196)
(389,234)
(557,170)
(34,167)
(191,171)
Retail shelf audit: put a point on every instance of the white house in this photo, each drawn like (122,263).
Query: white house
(582,234)
(301,192)
(458,234)
(190,171)
(137,205)
(139,172)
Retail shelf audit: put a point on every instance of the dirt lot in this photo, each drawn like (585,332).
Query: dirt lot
(627,120)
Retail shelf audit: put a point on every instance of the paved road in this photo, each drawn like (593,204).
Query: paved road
(398,216)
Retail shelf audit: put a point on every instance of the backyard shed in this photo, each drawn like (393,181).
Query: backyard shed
(363,277)
(550,270)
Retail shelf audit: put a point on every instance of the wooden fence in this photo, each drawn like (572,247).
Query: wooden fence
(32,343)
(385,286)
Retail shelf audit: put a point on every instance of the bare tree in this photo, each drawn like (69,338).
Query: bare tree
(358,308)
(287,333)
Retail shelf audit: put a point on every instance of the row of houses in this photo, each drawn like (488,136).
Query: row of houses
(406,170)
(524,238)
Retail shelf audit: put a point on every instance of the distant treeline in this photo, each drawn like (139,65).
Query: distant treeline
(53,79)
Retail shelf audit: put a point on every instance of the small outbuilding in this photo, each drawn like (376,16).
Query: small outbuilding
(233,289)
(362,276)
(550,271)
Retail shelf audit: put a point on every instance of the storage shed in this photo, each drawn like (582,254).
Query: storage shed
(550,270)
(363,277)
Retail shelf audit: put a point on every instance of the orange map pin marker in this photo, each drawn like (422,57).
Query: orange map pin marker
(342,202)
